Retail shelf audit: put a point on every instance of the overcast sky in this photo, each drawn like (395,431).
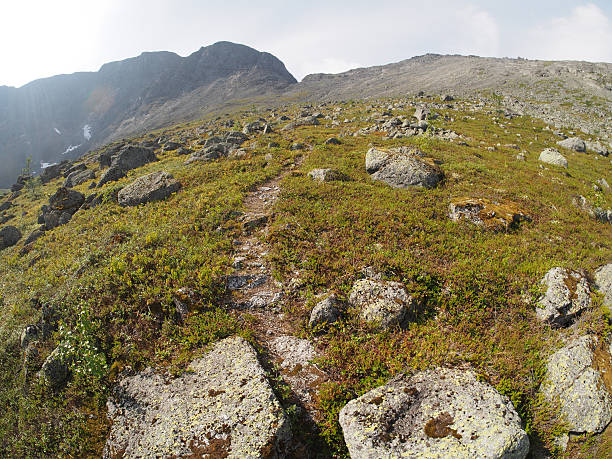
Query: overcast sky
(40,38)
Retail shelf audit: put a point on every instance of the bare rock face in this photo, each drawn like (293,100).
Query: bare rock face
(156,186)
(386,304)
(222,407)
(487,214)
(573,143)
(437,413)
(402,168)
(567,295)
(574,382)
(552,156)
(603,283)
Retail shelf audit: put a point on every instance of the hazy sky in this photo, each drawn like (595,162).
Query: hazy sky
(40,38)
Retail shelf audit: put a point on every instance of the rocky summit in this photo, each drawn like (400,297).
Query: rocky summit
(407,261)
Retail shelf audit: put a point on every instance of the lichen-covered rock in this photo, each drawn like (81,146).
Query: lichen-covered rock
(129,157)
(441,413)
(567,295)
(327,175)
(325,312)
(402,168)
(223,406)
(603,283)
(573,143)
(552,156)
(9,236)
(575,384)
(66,200)
(487,214)
(386,304)
(155,186)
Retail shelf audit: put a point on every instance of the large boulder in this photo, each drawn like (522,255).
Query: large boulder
(573,143)
(66,200)
(442,413)
(50,172)
(603,283)
(77,177)
(382,303)
(574,384)
(9,236)
(129,157)
(223,406)
(156,186)
(403,168)
(491,215)
(567,295)
(552,156)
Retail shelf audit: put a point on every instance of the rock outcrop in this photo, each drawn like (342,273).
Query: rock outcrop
(403,168)
(575,384)
(223,406)
(382,303)
(487,214)
(567,295)
(445,413)
(156,186)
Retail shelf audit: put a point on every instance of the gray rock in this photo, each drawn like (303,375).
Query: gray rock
(402,168)
(421,113)
(386,304)
(66,200)
(484,213)
(223,406)
(30,334)
(552,156)
(603,283)
(50,172)
(9,236)
(156,186)
(577,387)
(442,413)
(332,141)
(573,143)
(326,175)
(171,146)
(567,295)
(77,177)
(597,147)
(5,206)
(34,236)
(129,157)
(55,371)
(325,312)
(246,281)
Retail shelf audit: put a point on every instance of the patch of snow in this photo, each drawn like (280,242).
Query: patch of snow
(87,132)
(58,131)
(71,148)
(45,165)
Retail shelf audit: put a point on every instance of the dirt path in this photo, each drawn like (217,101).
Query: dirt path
(253,291)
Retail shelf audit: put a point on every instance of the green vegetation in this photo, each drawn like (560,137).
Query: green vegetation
(112,273)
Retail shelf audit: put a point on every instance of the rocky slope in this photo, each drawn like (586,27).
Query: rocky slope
(314,281)
(71,114)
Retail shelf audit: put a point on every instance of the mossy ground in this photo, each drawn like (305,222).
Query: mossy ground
(118,269)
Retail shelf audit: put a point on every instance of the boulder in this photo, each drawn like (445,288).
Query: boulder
(403,168)
(327,175)
(603,283)
(567,295)
(223,406)
(171,146)
(573,143)
(156,186)
(487,214)
(9,236)
(66,200)
(442,413)
(385,304)
(50,172)
(325,312)
(552,156)
(332,141)
(421,113)
(55,370)
(78,177)
(574,384)
(598,147)
(129,157)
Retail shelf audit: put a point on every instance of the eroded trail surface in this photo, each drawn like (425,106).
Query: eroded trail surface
(256,296)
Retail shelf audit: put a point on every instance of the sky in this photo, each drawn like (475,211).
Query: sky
(41,38)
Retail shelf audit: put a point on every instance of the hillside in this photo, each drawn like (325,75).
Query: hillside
(63,117)
(333,275)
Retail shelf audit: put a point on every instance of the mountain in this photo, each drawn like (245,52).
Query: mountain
(67,115)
